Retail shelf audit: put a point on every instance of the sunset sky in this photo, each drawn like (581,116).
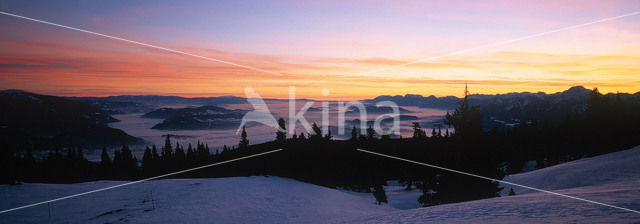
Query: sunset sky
(316,45)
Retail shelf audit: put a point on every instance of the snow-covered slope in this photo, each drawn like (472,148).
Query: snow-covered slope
(397,195)
(617,167)
(224,200)
(612,179)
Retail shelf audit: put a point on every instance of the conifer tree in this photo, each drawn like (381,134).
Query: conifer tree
(281,134)
(155,156)
(379,194)
(354,134)
(328,136)
(317,132)
(191,155)
(71,153)
(466,119)
(147,161)
(244,142)
(371,134)
(179,157)
(418,133)
(80,154)
(302,137)
(167,150)
(105,161)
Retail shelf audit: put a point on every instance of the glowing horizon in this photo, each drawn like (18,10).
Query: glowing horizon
(319,45)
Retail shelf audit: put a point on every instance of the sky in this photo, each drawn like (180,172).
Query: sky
(344,46)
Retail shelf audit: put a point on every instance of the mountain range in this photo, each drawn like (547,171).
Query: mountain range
(513,108)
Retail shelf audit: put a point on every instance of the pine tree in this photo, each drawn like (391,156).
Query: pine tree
(155,156)
(379,194)
(302,137)
(371,134)
(244,142)
(317,132)
(418,133)
(511,192)
(29,163)
(191,155)
(147,161)
(105,161)
(71,153)
(127,163)
(167,150)
(117,162)
(328,136)
(354,134)
(80,154)
(281,134)
(466,119)
(179,157)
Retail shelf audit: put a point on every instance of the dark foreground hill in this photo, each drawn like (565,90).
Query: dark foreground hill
(40,121)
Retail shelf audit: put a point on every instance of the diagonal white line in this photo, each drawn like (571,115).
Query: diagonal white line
(138,181)
(140,43)
(496,180)
(502,42)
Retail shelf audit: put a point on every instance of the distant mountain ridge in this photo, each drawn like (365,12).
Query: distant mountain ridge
(499,110)
(513,108)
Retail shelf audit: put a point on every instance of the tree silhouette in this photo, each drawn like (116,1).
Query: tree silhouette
(281,134)
(244,142)
(105,161)
(328,136)
(379,194)
(302,137)
(466,119)
(179,156)
(167,149)
(354,134)
(418,133)
(371,134)
(317,132)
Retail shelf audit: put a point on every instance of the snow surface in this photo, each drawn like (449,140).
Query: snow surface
(223,200)
(397,195)
(613,179)
(623,166)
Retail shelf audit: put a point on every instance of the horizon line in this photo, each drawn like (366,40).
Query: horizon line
(311,99)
